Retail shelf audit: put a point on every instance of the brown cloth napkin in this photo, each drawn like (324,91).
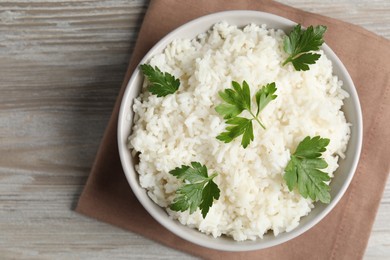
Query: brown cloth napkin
(344,233)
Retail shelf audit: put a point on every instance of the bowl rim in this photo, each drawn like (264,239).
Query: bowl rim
(140,192)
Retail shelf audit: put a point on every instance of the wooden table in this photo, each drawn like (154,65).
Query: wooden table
(61,66)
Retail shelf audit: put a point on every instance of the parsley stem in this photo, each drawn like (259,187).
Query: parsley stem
(287,61)
(212,176)
(257,119)
(291,58)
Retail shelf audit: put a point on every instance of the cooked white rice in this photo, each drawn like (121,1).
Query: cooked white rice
(180,128)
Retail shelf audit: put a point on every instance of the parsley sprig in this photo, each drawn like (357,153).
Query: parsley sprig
(300,43)
(303,169)
(161,83)
(199,191)
(237,100)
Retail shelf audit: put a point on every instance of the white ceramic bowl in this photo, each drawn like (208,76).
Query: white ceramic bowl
(338,185)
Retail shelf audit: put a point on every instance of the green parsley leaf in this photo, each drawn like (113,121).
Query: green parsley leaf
(237,100)
(303,169)
(239,126)
(264,96)
(299,44)
(199,190)
(161,83)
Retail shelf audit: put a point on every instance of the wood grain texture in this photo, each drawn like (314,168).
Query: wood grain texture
(61,66)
